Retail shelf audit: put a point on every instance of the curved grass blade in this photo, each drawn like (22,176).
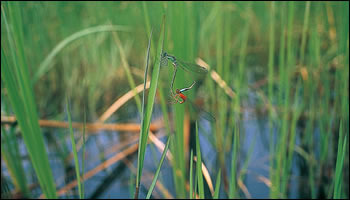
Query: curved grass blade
(158,169)
(45,66)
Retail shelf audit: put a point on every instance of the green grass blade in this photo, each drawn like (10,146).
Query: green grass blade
(217,185)
(12,158)
(271,54)
(305,26)
(11,155)
(199,166)
(146,115)
(16,78)
(145,76)
(74,149)
(146,17)
(233,185)
(340,163)
(195,186)
(158,169)
(127,70)
(191,175)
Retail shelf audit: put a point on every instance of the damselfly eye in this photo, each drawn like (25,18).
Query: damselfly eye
(177,91)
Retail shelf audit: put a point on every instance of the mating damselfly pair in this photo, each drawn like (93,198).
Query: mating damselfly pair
(179,97)
(184,65)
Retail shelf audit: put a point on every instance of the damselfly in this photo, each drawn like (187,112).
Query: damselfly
(181,98)
(190,67)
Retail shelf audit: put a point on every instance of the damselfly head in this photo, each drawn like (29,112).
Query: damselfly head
(164,60)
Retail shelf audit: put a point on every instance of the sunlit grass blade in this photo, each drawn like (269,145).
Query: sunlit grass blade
(15,74)
(158,169)
(199,166)
(147,113)
(217,186)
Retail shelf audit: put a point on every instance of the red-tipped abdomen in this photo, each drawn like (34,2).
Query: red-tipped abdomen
(183,97)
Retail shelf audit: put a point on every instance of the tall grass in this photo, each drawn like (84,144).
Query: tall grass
(191,176)
(75,153)
(287,62)
(15,74)
(11,156)
(182,47)
(217,185)
(199,166)
(342,142)
(148,107)
(158,168)
(233,193)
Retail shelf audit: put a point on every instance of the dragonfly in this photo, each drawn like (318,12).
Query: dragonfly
(181,98)
(190,67)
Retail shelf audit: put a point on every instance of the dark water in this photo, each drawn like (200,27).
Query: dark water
(114,181)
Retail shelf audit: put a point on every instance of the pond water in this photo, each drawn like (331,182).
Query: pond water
(114,181)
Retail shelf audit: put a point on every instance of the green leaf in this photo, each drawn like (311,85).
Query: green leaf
(158,169)
(15,74)
(199,166)
(147,113)
(217,185)
(74,149)
(191,175)
(340,163)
